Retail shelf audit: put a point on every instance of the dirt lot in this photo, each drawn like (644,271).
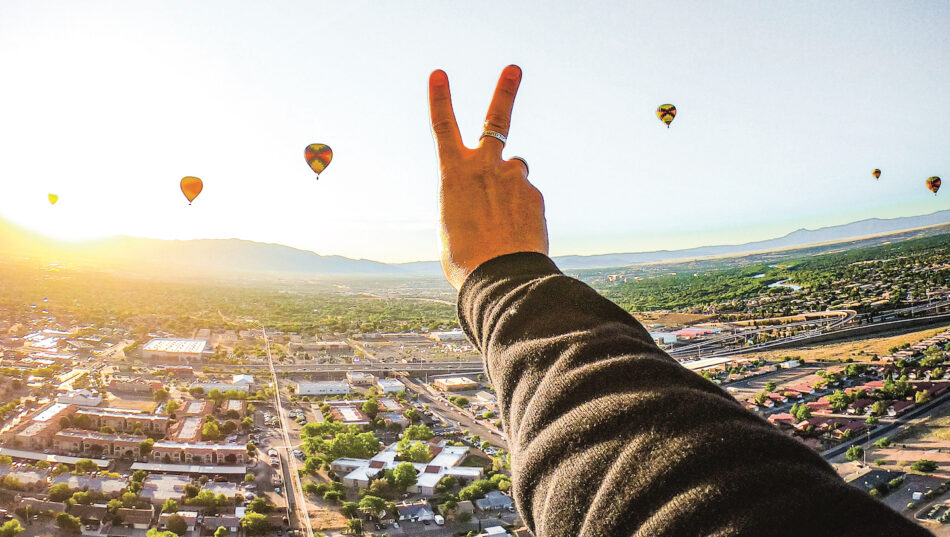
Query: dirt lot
(128,401)
(850,349)
(674,320)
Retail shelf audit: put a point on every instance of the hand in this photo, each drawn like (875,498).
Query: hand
(488,207)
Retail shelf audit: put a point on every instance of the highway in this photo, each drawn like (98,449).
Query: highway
(296,501)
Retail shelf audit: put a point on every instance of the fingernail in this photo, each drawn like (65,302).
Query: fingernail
(512,72)
(438,78)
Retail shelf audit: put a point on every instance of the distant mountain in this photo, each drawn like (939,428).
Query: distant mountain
(799,237)
(229,256)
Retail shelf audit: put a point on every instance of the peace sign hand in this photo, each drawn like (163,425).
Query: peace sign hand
(488,207)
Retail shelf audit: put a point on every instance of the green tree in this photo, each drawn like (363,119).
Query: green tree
(210,431)
(839,401)
(171,407)
(922,396)
(404,475)
(11,528)
(59,492)
(883,442)
(170,506)
(770,386)
(84,466)
(372,504)
(260,505)
(924,465)
(854,453)
(68,523)
(355,526)
(418,432)
(160,395)
(221,532)
(349,509)
(176,524)
(370,408)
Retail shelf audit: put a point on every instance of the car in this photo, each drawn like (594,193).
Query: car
(396,525)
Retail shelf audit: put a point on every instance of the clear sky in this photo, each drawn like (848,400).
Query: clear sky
(784,110)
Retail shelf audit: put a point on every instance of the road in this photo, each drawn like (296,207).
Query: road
(430,367)
(296,501)
(487,433)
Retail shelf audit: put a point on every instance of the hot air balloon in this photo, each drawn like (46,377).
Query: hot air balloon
(53,198)
(318,157)
(666,113)
(191,187)
(933,183)
(876,173)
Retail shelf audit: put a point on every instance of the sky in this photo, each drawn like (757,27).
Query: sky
(783,111)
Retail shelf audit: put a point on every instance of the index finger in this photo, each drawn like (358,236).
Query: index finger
(444,127)
(499,112)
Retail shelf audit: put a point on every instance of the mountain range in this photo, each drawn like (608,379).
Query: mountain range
(217,256)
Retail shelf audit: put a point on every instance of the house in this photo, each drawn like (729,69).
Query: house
(190,518)
(387,386)
(495,501)
(859,406)
(359,378)
(242,379)
(232,523)
(415,512)
(140,519)
(42,505)
(89,513)
(899,407)
(494,531)
(783,418)
(455,384)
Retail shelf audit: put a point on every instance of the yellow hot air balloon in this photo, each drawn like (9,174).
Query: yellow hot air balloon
(876,173)
(666,113)
(53,198)
(933,183)
(191,187)
(318,157)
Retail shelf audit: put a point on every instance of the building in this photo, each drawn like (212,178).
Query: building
(97,444)
(455,384)
(198,453)
(495,501)
(242,379)
(170,350)
(110,486)
(140,519)
(122,420)
(221,386)
(358,378)
(138,385)
(387,386)
(160,487)
(450,336)
(446,461)
(326,348)
(415,512)
(38,432)
(80,397)
(323,388)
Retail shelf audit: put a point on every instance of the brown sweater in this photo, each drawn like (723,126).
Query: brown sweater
(609,436)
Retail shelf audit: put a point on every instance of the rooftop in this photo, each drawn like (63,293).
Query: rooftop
(173,345)
(189,468)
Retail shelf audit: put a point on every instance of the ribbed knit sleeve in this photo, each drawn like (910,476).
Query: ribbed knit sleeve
(609,436)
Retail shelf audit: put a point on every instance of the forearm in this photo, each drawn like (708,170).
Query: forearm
(610,436)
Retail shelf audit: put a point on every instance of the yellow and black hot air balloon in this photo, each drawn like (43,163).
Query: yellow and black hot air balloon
(876,173)
(191,187)
(318,157)
(666,113)
(933,183)
(53,198)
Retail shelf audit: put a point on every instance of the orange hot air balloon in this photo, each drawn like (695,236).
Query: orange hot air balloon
(933,183)
(666,113)
(318,157)
(53,198)
(191,187)
(876,173)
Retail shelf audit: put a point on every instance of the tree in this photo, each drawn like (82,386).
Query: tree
(839,401)
(171,407)
(170,506)
(922,396)
(228,427)
(82,498)
(84,466)
(216,396)
(404,475)
(176,524)
(418,432)
(255,524)
(221,532)
(59,492)
(160,395)
(249,478)
(260,505)
(855,453)
(879,408)
(770,387)
(412,415)
(883,442)
(349,509)
(11,528)
(68,523)
(924,465)
(373,504)
(872,420)
(370,408)
(247,424)
(464,517)
(210,431)
(145,447)
(355,526)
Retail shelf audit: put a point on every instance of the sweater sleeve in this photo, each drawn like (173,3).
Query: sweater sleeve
(609,436)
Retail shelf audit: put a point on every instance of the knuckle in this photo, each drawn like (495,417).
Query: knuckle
(497,120)
(442,126)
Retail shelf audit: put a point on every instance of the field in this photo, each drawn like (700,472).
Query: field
(859,351)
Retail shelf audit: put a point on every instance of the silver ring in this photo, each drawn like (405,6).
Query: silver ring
(494,134)
(527,170)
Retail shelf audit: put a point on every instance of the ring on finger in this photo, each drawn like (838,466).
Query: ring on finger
(494,134)
(527,170)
